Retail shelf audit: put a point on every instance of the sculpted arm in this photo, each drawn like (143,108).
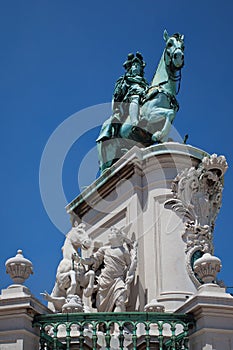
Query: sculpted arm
(120,90)
(132,265)
(58,302)
(85,261)
(95,259)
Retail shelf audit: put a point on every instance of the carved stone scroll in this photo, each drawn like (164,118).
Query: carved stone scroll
(197,198)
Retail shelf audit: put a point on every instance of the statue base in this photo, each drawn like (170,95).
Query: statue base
(132,193)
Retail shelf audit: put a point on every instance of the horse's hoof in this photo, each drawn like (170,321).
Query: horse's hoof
(157,136)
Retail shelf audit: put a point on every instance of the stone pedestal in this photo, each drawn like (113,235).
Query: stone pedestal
(132,193)
(17,309)
(213,312)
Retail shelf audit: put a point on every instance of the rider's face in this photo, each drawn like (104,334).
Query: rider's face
(136,68)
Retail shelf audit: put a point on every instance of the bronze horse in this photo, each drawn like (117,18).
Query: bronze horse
(157,111)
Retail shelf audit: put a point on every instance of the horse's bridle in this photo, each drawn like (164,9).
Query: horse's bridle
(174,73)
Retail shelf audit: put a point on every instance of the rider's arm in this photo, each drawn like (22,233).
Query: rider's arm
(120,90)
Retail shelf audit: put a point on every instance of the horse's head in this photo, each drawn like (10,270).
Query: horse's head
(78,236)
(174,51)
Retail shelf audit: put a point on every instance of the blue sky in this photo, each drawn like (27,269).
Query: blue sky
(59,57)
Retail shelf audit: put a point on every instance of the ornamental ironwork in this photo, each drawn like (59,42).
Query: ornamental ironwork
(112,330)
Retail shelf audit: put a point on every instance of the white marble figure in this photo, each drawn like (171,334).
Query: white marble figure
(120,262)
(72,278)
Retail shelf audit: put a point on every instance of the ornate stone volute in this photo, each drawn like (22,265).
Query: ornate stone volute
(197,198)
(207,267)
(198,192)
(19,268)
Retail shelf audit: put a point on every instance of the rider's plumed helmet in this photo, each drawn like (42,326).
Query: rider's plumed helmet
(134,58)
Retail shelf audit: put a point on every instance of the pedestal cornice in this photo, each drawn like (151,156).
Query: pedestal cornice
(133,161)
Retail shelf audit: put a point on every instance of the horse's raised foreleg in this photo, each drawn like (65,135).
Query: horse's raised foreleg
(168,115)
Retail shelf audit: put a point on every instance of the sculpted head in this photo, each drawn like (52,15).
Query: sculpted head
(174,51)
(115,236)
(78,236)
(134,64)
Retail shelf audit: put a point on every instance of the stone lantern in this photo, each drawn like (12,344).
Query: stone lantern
(19,268)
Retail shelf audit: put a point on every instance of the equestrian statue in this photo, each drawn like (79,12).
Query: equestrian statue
(142,114)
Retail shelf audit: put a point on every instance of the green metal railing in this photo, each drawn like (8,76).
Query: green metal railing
(110,330)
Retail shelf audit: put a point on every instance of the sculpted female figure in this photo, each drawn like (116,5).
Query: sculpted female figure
(118,272)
